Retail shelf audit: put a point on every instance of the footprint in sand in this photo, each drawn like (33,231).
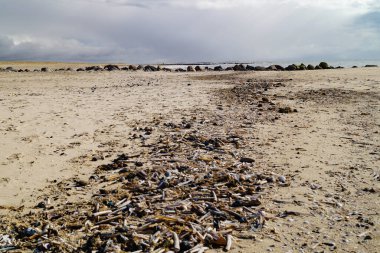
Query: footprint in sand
(14,157)
(4,181)
(29,139)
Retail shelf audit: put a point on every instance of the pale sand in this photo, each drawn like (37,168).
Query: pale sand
(51,125)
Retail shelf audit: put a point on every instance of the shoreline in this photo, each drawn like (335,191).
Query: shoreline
(191,67)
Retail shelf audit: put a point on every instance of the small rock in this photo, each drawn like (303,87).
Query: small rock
(282,179)
(42,204)
(285,110)
(168,173)
(97,158)
(330,244)
(370,190)
(139,164)
(28,232)
(247,160)
(80,183)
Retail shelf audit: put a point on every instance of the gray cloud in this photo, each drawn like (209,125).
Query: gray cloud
(47,49)
(369,20)
(178,31)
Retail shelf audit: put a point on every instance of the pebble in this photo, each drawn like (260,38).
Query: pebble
(282,179)
(168,174)
(247,160)
(29,232)
(330,244)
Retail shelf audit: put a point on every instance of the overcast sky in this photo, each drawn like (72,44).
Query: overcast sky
(155,31)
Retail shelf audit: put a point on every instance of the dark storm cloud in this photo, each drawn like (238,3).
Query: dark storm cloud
(180,31)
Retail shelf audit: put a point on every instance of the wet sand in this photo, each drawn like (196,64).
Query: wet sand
(62,125)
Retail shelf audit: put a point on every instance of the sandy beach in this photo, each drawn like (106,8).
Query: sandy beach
(314,133)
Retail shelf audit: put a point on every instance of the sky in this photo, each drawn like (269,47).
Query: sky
(172,31)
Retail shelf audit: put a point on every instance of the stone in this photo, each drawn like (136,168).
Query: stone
(302,67)
(330,244)
(239,67)
(111,67)
(370,66)
(197,68)
(80,183)
(190,69)
(279,67)
(247,160)
(310,67)
(132,67)
(218,68)
(149,68)
(285,110)
(44,69)
(260,68)
(282,179)
(93,68)
(291,67)
(249,67)
(324,65)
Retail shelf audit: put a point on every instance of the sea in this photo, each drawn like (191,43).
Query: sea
(345,64)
